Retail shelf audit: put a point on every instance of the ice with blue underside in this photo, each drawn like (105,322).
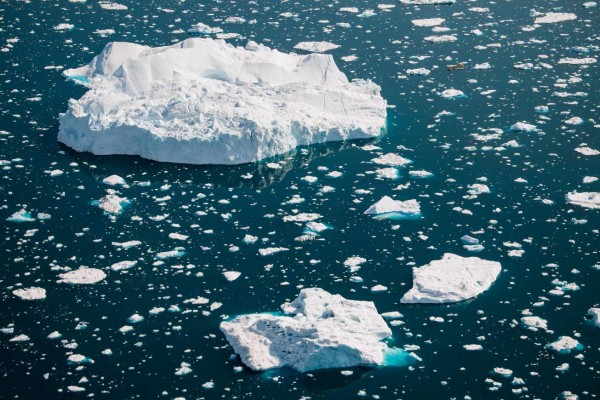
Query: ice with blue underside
(317,330)
(203,101)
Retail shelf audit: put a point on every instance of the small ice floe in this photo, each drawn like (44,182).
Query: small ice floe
(574,121)
(452,93)
(587,151)
(231,275)
(418,71)
(388,208)
(577,61)
(32,293)
(302,217)
(314,228)
(125,328)
(553,17)
(19,338)
(451,279)
(176,252)
(249,239)
(391,160)
(503,372)
(441,38)
(82,276)
(379,288)
(387,173)
(534,323)
(564,345)
(428,22)
(21,216)
(64,27)
(473,347)
(122,265)
(584,199)
(316,47)
(203,29)
(590,179)
(471,244)
(354,263)
(114,180)
(271,250)
(110,6)
(112,203)
(542,109)
(594,316)
(589,4)
(127,245)
(177,236)
(104,32)
(184,369)
(323,331)
(54,335)
(78,359)
(427,2)
(75,389)
(478,188)
(523,127)
(420,174)
(135,318)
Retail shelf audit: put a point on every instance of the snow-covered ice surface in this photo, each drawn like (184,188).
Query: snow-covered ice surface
(181,233)
(451,279)
(317,330)
(204,101)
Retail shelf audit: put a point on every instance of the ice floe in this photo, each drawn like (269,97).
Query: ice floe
(451,279)
(32,293)
(387,206)
(584,199)
(83,276)
(317,330)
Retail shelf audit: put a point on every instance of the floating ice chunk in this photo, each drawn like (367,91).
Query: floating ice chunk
(441,38)
(577,61)
(534,323)
(224,104)
(451,279)
(387,206)
(184,369)
(112,203)
(271,250)
(135,318)
(392,160)
(564,345)
(318,330)
(32,293)
(64,27)
(420,174)
(82,276)
(203,29)
(75,389)
(177,236)
(19,338)
(21,216)
(418,71)
(354,263)
(485,65)
(54,335)
(366,13)
(126,328)
(523,127)
(176,252)
(231,275)
(553,17)
(121,265)
(478,188)
(503,372)
(594,314)
(106,5)
(128,244)
(427,2)
(114,180)
(249,239)
(316,47)
(587,151)
(590,179)
(302,217)
(78,359)
(574,121)
(387,173)
(104,32)
(584,199)
(379,288)
(428,22)
(589,4)
(452,93)
(316,227)
(473,347)
(466,239)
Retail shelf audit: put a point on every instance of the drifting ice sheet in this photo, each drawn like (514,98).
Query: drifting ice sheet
(318,330)
(203,101)
(451,279)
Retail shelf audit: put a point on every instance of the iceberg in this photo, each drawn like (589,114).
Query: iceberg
(83,276)
(584,199)
(317,330)
(451,279)
(594,315)
(388,207)
(32,293)
(203,101)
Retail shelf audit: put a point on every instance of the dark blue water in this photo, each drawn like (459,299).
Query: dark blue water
(144,361)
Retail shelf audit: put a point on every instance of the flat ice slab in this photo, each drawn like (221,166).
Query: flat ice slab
(386,205)
(451,279)
(203,101)
(584,199)
(318,330)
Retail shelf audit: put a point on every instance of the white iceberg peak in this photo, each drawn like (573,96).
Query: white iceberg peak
(203,101)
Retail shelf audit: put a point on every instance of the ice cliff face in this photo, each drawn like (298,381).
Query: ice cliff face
(203,101)
(318,330)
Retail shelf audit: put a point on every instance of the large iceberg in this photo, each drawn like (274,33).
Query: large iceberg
(318,330)
(203,101)
(451,279)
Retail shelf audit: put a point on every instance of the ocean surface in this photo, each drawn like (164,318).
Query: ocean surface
(216,206)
